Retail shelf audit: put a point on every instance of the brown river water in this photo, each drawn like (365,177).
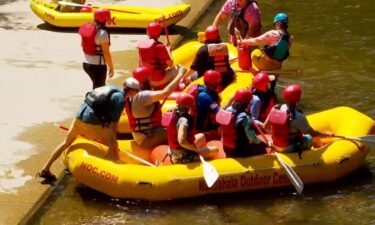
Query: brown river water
(335,49)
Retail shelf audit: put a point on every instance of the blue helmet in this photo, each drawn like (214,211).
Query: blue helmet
(281,17)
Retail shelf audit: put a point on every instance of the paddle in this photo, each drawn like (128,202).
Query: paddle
(290,71)
(94,7)
(293,177)
(368,140)
(210,174)
(131,155)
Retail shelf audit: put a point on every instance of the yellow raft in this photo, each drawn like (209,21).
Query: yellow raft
(121,16)
(85,159)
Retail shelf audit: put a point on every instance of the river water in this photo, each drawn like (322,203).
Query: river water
(335,49)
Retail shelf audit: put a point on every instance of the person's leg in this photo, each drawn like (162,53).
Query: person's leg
(70,137)
(100,75)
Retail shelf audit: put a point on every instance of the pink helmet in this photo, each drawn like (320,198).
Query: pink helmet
(244,96)
(292,94)
(212,33)
(261,81)
(211,77)
(153,30)
(141,73)
(185,100)
(102,15)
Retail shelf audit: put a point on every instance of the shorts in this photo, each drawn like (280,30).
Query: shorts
(181,156)
(90,131)
(151,138)
(262,62)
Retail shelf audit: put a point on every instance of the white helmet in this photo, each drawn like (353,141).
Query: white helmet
(132,83)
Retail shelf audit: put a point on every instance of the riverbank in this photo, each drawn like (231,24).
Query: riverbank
(42,83)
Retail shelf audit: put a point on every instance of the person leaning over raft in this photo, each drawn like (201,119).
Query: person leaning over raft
(291,132)
(181,132)
(95,44)
(144,109)
(243,15)
(239,136)
(276,44)
(97,118)
(213,55)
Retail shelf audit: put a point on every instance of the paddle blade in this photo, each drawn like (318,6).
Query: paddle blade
(293,177)
(210,174)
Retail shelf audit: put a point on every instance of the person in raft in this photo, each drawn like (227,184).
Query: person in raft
(243,15)
(156,56)
(291,132)
(276,44)
(213,55)
(144,109)
(181,132)
(239,134)
(208,104)
(95,44)
(264,99)
(96,119)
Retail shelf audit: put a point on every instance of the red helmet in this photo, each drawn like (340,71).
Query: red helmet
(102,15)
(185,100)
(292,93)
(153,30)
(211,77)
(141,73)
(261,81)
(212,33)
(244,96)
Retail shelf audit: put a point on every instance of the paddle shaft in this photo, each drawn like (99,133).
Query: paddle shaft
(367,140)
(131,155)
(95,7)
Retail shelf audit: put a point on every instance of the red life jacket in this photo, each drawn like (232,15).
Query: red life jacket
(219,53)
(150,56)
(144,123)
(88,32)
(229,135)
(281,132)
(173,132)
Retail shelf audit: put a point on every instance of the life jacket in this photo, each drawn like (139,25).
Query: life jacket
(144,123)
(281,132)
(268,100)
(237,20)
(88,32)
(229,135)
(206,120)
(219,55)
(172,131)
(99,100)
(149,56)
(280,50)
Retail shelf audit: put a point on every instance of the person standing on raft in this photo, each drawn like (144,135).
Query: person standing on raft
(276,44)
(95,44)
(243,15)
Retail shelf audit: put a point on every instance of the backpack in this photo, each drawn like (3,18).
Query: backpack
(99,100)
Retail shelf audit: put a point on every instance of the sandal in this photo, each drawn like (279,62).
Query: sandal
(46,175)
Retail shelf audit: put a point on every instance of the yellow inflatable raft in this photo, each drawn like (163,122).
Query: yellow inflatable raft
(121,16)
(339,157)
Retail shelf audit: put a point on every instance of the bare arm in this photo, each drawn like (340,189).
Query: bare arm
(187,75)
(219,19)
(112,141)
(182,139)
(163,94)
(108,58)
